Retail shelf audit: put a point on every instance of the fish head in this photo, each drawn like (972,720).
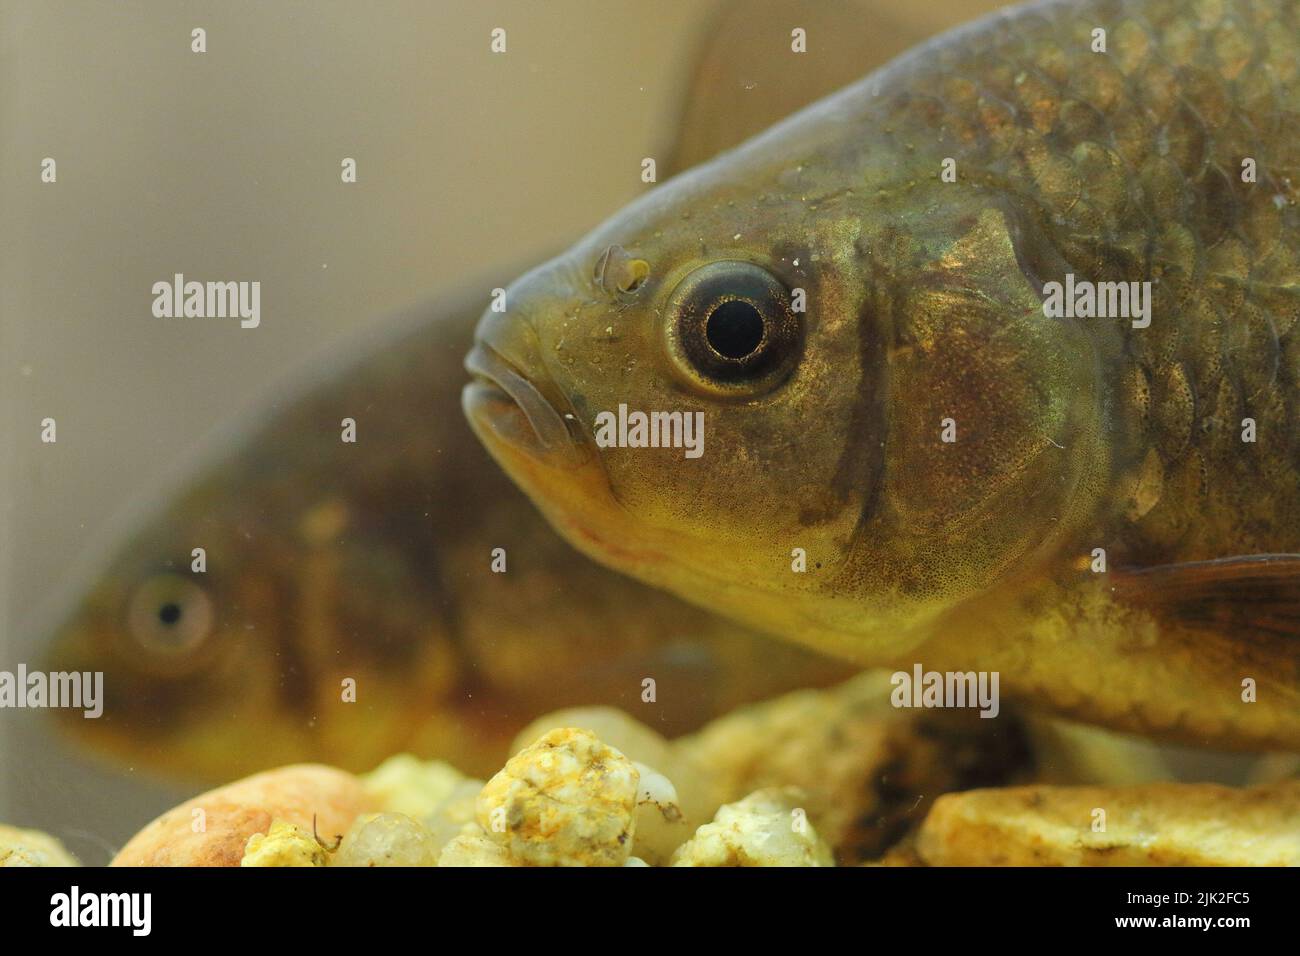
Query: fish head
(173,644)
(827,312)
(230,625)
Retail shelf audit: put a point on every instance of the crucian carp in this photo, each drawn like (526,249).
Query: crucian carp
(1104,510)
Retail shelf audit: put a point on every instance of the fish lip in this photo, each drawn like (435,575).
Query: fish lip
(500,393)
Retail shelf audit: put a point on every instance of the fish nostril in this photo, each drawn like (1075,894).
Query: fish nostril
(618,272)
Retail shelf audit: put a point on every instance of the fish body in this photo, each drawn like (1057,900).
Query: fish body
(354,603)
(915,451)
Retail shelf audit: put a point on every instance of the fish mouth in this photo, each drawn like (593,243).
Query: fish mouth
(504,405)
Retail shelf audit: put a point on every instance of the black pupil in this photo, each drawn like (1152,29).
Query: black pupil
(169,613)
(735,329)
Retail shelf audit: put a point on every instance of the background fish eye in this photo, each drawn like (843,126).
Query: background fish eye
(731,330)
(169,617)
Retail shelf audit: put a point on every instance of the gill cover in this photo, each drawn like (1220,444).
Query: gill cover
(994,447)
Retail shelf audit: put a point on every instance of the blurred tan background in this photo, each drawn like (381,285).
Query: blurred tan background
(225,165)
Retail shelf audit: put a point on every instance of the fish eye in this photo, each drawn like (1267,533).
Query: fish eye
(734,329)
(169,616)
(730,329)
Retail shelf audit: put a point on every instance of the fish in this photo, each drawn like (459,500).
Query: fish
(371,562)
(911,457)
(369,567)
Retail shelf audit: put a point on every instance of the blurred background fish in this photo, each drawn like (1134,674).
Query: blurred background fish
(372,562)
(321,567)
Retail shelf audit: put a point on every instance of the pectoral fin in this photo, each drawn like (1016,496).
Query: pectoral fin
(1238,595)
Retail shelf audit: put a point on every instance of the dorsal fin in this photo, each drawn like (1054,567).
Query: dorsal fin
(747,77)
